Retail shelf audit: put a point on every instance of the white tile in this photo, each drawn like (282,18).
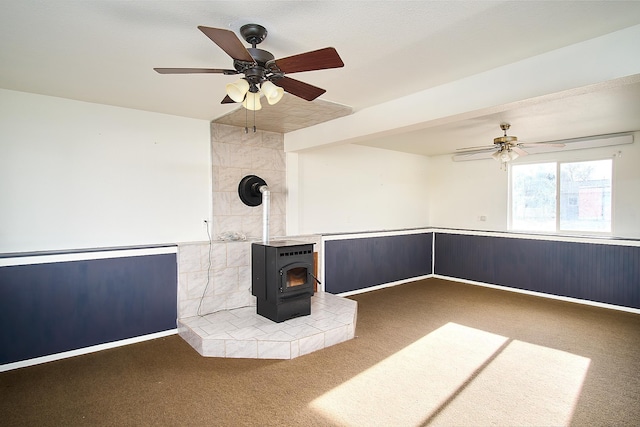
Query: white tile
(277,226)
(239,156)
(244,331)
(245,322)
(273,140)
(213,348)
(211,304)
(182,286)
(244,312)
(218,327)
(221,203)
(224,280)
(238,254)
(196,284)
(346,318)
(301,331)
(335,336)
(251,138)
(194,321)
(311,343)
(274,350)
(276,180)
(244,278)
(319,314)
(219,336)
(270,328)
(326,324)
(241,349)
(226,178)
(237,207)
(344,310)
(278,203)
(276,336)
(188,307)
(192,338)
(226,223)
(189,258)
(226,133)
(218,255)
(295,349)
(252,226)
(298,321)
(279,161)
(263,158)
(220,316)
(219,155)
(240,299)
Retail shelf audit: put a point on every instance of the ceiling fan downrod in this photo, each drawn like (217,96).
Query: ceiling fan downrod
(254,34)
(505,139)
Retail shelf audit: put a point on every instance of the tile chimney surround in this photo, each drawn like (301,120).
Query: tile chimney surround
(217,313)
(234,155)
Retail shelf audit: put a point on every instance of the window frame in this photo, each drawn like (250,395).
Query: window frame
(559,231)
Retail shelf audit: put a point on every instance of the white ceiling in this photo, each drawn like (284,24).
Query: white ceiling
(104,51)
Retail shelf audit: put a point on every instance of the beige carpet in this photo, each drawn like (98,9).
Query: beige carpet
(431,352)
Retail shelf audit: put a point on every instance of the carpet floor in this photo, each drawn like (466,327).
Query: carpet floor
(431,352)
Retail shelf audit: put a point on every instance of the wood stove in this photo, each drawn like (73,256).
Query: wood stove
(282,278)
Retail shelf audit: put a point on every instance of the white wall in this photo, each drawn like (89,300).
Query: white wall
(81,175)
(351,188)
(461,192)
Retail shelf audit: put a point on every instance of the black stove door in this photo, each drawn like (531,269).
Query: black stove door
(295,277)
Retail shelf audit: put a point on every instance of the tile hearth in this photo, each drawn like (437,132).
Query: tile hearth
(242,333)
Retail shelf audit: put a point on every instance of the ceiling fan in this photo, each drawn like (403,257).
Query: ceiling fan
(263,74)
(504,149)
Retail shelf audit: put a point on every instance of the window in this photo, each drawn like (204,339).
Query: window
(565,196)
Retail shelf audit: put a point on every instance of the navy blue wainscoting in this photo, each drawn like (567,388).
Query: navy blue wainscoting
(51,308)
(596,272)
(352,264)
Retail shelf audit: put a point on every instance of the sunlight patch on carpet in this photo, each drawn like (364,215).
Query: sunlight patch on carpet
(461,376)
(412,384)
(526,384)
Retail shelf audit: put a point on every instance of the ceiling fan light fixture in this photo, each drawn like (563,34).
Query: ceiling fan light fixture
(252,101)
(237,90)
(504,155)
(272,92)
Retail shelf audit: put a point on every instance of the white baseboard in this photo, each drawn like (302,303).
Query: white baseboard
(384,285)
(85,350)
(541,294)
(488,285)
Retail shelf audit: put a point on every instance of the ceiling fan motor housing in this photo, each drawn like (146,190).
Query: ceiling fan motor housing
(506,140)
(253,33)
(258,73)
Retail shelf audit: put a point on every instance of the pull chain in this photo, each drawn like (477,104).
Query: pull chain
(246,121)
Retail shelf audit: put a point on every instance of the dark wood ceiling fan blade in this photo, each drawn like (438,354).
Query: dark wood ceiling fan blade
(229,42)
(315,60)
(227,100)
(194,71)
(298,88)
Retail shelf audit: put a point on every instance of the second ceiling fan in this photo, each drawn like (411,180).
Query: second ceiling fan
(262,72)
(504,149)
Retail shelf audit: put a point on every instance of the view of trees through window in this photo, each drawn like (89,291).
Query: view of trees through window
(571,196)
